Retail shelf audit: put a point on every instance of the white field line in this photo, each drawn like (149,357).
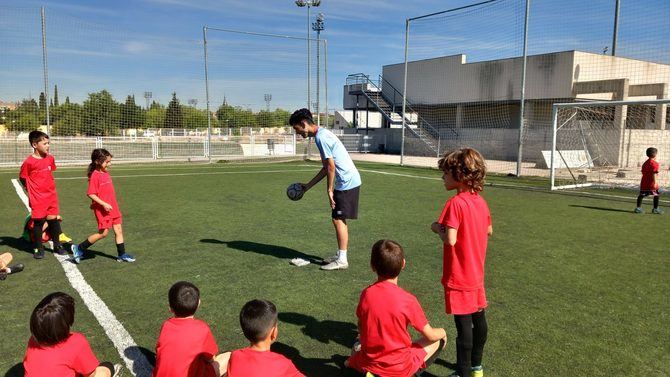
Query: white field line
(195,173)
(135,361)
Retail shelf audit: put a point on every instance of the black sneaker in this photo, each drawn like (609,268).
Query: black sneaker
(61,251)
(3,275)
(38,254)
(16,268)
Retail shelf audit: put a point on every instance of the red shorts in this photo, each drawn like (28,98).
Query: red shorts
(464,302)
(44,209)
(106,220)
(361,363)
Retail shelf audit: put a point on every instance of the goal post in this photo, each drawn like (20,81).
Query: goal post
(603,143)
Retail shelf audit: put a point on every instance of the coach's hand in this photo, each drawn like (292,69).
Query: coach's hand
(332,199)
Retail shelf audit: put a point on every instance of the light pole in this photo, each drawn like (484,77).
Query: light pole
(267,97)
(308,4)
(147,97)
(318,27)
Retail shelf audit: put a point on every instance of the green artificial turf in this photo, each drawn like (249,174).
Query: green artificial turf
(576,285)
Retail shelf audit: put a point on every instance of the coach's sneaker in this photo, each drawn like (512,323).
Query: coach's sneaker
(332,258)
(477,371)
(76,253)
(38,254)
(657,211)
(125,257)
(638,210)
(335,265)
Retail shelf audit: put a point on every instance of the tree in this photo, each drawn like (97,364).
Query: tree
(131,115)
(55,95)
(101,115)
(69,120)
(155,117)
(173,115)
(25,117)
(43,102)
(194,118)
(224,114)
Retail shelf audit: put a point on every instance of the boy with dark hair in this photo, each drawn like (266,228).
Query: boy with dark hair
(185,346)
(55,351)
(343,183)
(648,183)
(258,319)
(36,176)
(464,228)
(384,312)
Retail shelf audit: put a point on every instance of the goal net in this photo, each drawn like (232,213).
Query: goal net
(604,143)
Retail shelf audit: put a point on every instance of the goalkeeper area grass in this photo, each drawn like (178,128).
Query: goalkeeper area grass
(575,284)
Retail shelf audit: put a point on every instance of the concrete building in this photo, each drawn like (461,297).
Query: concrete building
(477,104)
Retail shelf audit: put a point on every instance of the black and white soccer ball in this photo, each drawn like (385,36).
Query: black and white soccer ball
(294,191)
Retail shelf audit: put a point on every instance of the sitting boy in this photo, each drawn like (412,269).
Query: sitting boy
(384,312)
(258,320)
(185,345)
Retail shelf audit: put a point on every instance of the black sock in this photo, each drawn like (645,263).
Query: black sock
(479,335)
(656,199)
(85,244)
(464,344)
(38,224)
(639,200)
(121,248)
(54,232)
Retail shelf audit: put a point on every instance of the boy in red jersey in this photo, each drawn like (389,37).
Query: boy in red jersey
(464,227)
(258,319)
(55,351)
(384,312)
(186,346)
(36,176)
(648,183)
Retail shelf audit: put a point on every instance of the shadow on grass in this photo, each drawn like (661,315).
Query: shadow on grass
(92,254)
(315,366)
(134,353)
(326,331)
(15,371)
(601,208)
(265,249)
(16,243)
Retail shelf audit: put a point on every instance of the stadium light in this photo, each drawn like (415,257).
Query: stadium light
(308,4)
(318,27)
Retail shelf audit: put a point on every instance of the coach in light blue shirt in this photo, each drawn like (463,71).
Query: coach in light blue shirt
(344,181)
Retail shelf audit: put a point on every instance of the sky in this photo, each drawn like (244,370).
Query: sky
(129,47)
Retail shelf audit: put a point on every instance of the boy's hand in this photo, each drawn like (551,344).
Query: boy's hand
(107,207)
(437,227)
(331,198)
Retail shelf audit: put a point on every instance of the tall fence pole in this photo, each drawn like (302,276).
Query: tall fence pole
(404,96)
(209,114)
(523,91)
(615,32)
(45,67)
(325,74)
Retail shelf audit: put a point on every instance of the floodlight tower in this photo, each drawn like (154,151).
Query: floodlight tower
(318,26)
(267,98)
(308,4)
(147,97)
(193,102)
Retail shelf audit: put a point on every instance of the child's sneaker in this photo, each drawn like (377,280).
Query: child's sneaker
(657,211)
(125,257)
(38,254)
(60,251)
(638,210)
(117,370)
(477,371)
(16,268)
(76,253)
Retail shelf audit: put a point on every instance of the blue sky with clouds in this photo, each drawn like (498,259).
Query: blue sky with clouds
(129,47)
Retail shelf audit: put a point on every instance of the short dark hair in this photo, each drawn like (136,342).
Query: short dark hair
(184,298)
(257,318)
(36,136)
(387,258)
(299,115)
(52,318)
(651,152)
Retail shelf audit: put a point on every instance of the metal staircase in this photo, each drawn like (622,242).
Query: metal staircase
(389,103)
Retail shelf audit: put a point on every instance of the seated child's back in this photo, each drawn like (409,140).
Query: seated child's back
(185,345)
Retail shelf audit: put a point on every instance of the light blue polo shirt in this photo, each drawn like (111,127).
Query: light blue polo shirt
(346,174)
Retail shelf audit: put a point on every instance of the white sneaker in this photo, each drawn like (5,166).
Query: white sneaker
(117,370)
(335,265)
(332,259)
(299,262)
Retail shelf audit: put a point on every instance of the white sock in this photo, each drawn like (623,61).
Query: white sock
(342,256)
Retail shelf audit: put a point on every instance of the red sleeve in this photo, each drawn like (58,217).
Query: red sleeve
(53,162)
(291,370)
(656,166)
(209,347)
(416,315)
(451,215)
(85,361)
(25,169)
(93,184)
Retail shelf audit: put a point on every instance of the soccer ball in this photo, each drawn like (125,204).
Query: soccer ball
(294,191)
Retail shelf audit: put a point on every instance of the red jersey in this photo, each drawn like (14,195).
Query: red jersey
(649,168)
(463,263)
(69,358)
(247,362)
(384,311)
(39,180)
(100,184)
(184,348)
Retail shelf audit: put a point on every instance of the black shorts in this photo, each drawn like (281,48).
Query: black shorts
(648,192)
(346,203)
